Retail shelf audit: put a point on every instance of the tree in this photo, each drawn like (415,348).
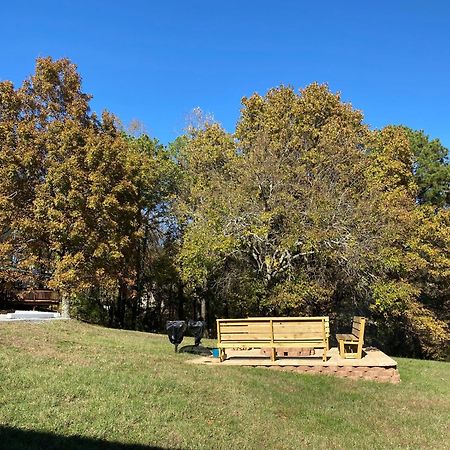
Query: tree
(205,157)
(303,210)
(431,168)
(76,191)
(307,212)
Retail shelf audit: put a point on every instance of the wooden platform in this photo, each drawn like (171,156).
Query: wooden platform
(373,366)
(371,358)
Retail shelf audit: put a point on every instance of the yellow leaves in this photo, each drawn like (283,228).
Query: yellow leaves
(67,271)
(400,300)
(116,255)
(391,161)
(110,201)
(209,151)
(300,296)
(260,229)
(106,253)
(101,251)
(391,298)
(204,247)
(432,331)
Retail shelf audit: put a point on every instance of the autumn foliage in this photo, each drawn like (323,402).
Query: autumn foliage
(303,210)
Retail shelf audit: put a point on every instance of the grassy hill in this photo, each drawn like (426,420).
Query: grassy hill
(67,385)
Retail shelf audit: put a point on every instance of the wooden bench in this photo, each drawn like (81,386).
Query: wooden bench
(39,298)
(354,340)
(273,333)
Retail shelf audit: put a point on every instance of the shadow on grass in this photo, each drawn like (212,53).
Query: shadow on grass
(196,350)
(17,439)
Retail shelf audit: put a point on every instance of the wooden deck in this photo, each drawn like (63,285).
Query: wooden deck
(35,298)
(371,358)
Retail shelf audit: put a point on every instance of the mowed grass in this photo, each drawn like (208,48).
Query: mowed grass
(67,385)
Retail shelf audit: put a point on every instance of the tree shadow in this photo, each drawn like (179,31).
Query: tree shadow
(17,439)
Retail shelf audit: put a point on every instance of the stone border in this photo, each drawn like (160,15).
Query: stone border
(379,374)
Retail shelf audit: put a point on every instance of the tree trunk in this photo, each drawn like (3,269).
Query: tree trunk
(180,301)
(140,264)
(121,298)
(65,305)
(134,310)
(203,307)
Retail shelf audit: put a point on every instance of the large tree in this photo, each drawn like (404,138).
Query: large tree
(306,211)
(78,194)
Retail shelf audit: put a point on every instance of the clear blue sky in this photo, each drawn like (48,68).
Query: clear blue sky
(156,61)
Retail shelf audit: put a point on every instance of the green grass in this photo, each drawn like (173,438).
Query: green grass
(70,385)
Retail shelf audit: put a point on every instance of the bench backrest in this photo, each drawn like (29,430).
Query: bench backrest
(358,326)
(273,330)
(326,319)
(298,330)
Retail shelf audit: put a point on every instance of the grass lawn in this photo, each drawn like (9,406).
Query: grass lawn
(67,385)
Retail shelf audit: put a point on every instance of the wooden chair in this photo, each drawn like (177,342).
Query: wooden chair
(353,341)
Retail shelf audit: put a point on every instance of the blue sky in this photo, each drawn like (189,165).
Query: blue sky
(156,61)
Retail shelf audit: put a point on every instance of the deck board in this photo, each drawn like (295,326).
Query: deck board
(372,358)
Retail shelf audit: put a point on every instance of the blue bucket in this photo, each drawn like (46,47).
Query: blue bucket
(215,352)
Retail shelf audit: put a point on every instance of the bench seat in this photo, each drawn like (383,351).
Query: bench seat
(347,337)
